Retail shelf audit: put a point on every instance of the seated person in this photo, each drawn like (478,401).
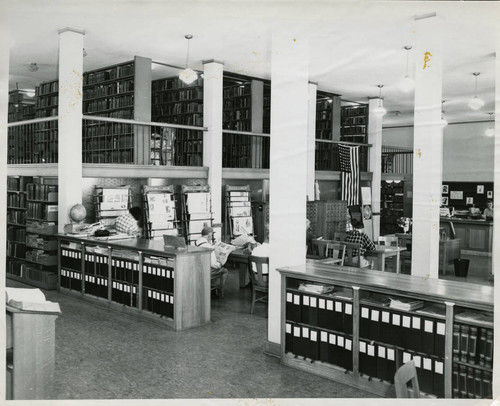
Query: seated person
(309,237)
(488,212)
(261,250)
(357,235)
(216,268)
(129,223)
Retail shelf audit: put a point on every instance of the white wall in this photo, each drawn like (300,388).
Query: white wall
(468,153)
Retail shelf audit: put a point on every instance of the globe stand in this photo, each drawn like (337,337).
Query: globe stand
(77,216)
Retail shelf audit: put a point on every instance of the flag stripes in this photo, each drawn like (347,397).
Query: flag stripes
(349,167)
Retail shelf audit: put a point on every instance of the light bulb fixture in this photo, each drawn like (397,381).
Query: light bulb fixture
(490,132)
(188,75)
(379,111)
(407,84)
(476,103)
(30,92)
(444,123)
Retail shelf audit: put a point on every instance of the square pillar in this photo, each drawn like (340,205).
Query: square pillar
(375,160)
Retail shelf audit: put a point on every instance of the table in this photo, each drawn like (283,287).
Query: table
(240,256)
(382,252)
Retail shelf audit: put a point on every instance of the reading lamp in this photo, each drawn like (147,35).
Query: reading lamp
(476,103)
(407,84)
(188,75)
(490,132)
(379,111)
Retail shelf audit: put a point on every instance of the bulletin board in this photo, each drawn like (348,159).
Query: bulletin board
(462,195)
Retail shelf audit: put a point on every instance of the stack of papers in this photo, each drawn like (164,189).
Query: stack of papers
(433,310)
(318,289)
(483,319)
(406,304)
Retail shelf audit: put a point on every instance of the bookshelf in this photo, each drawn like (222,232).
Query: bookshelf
(196,211)
(238,209)
(111,202)
(32,255)
(392,206)
(174,102)
(139,277)
(358,336)
(109,92)
(21,106)
(160,211)
(354,123)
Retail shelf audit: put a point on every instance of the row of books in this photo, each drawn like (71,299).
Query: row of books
(95,265)
(329,313)
(16,217)
(95,285)
(303,341)
(46,88)
(123,101)
(71,259)
(16,250)
(158,277)
(41,242)
(473,345)
(48,101)
(92,129)
(176,108)
(70,279)
(188,94)
(18,183)
(174,83)
(430,372)
(41,227)
(186,119)
(323,106)
(47,278)
(42,192)
(158,302)
(16,200)
(238,90)
(46,112)
(471,383)
(123,293)
(16,234)
(109,142)
(241,103)
(415,332)
(110,89)
(42,211)
(238,125)
(116,72)
(109,157)
(124,112)
(353,120)
(354,111)
(353,130)
(125,271)
(41,257)
(232,115)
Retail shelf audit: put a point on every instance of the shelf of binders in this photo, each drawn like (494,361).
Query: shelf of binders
(196,211)
(238,211)
(140,280)
(381,329)
(111,202)
(160,211)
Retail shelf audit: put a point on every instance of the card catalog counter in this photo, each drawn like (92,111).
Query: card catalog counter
(139,276)
(358,326)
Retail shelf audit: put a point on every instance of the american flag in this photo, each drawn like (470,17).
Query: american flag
(349,171)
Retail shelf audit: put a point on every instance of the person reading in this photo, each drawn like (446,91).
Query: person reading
(357,235)
(488,212)
(129,223)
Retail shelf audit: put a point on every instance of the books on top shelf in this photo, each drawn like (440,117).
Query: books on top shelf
(29,300)
(406,304)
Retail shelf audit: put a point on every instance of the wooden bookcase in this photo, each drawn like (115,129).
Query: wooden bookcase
(32,259)
(138,276)
(392,206)
(160,211)
(196,211)
(327,128)
(354,123)
(174,102)
(354,336)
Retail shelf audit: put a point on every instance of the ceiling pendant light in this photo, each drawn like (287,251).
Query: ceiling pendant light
(476,103)
(379,111)
(444,123)
(188,75)
(407,84)
(490,132)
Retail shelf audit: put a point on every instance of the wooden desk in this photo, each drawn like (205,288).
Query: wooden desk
(30,353)
(382,252)
(240,257)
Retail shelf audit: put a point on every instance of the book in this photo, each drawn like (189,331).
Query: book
(318,289)
(29,300)
(406,304)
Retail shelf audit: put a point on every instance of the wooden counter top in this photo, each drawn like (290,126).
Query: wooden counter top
(466,221)
(467,294)
(151,247)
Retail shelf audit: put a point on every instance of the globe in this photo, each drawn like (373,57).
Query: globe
(77,213)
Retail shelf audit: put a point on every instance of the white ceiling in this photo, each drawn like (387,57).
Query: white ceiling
(354,45)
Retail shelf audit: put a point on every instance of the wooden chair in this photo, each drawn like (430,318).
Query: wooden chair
(404,240)
(407,373)
(339,236)
(219,286)
(350,259)
(336,251)
(319,248)
(388,240)
(259,280)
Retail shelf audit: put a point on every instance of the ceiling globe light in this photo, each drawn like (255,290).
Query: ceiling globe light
(188,75)
(407,84)
(379,111)
(30,92)
(490,132)
(476,103)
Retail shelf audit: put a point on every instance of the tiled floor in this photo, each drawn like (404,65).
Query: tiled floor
(103,354)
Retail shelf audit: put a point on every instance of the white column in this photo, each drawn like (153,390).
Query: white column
(212,139)
(70,122)
(428,149)
(288,169)
(311,141)
(375,160)
(4,106)
(257,94)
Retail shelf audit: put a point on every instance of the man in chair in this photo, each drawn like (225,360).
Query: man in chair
(357,235)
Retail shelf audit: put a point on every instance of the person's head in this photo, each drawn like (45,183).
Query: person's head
(207,231)
(357,224)
(489,203)
(136,212)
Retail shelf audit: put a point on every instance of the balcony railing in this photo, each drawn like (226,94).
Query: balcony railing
(327,155)
(397,160)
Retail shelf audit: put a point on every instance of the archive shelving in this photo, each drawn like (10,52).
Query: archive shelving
(358,329)
(174,102)
(238,207)
(141,277)
(35,261)
(354,123)
(196,211)
(327,217)
(160,211)
(111,202)
(392,206)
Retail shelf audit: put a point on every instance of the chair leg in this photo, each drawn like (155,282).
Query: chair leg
(221,286)
(254,294)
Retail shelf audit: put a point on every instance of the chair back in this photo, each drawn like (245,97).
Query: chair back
(319,247)
(352,251)
(388,240)
(336,251)
(407,373)
(255,267)
(337,236)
